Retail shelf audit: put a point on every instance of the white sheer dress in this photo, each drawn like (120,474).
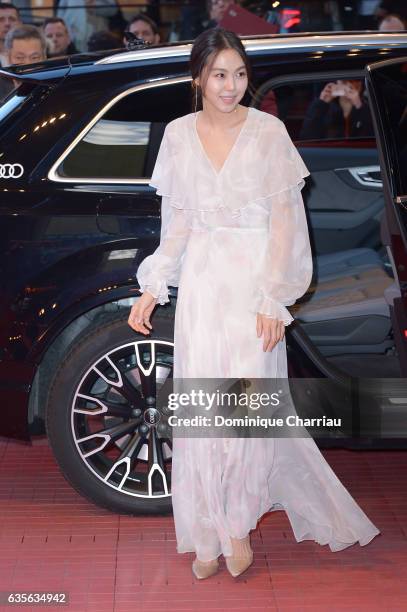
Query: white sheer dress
(236,243)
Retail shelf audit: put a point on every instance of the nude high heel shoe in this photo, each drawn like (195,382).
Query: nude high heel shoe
(204,569)
(242,556)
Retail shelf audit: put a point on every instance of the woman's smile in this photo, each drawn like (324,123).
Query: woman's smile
(228,99)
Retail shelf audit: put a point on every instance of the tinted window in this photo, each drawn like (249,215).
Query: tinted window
(124,142)
(321,110)
(11,95)
(391,93)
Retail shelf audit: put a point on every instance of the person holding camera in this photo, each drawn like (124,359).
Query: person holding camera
(340,111)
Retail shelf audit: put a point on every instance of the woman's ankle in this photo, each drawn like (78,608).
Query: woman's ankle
(241,547)
(211,562)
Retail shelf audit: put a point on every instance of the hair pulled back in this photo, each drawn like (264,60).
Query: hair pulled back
(205,49)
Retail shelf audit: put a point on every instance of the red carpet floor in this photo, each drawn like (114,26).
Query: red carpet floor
(53,540)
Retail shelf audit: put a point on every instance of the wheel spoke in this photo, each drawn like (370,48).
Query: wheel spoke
(116,380)
(155,462)
(118,410)
(130,393)
(108,435)
(131,450)
(148,375)
(104,407)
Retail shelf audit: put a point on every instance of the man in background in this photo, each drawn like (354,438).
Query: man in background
(25,45)
(9,19)
(27,15)
(22,45)
(143,27)
(58,38)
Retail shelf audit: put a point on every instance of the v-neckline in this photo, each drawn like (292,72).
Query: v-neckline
(218,172)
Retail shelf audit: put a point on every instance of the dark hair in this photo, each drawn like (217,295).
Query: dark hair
(6,5)
(49,20)
(146,19)
(103,40)
(203,54)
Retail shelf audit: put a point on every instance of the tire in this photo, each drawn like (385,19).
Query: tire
(106,383)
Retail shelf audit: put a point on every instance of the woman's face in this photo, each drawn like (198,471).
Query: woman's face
(356,84)
(225,82)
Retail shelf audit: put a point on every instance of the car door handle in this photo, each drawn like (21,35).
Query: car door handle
(368,176)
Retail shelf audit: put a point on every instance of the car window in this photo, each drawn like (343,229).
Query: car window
(123,143)
(12,95)
(391,95)
(322,110)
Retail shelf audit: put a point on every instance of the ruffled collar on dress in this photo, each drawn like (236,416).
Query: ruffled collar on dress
(262,162)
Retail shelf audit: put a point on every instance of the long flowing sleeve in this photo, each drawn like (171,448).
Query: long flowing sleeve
(162,269)
(286,269)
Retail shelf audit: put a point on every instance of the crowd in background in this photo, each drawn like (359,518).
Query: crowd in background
(92,25)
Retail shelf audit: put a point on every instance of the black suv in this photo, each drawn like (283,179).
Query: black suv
(78,141)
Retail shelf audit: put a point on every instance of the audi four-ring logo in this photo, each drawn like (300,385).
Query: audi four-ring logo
(11,171)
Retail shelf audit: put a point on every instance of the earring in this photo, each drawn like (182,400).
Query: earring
(196,96)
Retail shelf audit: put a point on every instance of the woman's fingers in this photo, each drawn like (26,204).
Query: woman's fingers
(147,315)
(266,337)
(137,323)
(269,333)
(139,318)
(273,331)
(140,326)
(282,330)
(259,327)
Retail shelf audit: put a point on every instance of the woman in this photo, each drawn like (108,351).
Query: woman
(234,239)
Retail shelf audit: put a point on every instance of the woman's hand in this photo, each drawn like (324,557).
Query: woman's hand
(272,330)
(139,318)
(326,94)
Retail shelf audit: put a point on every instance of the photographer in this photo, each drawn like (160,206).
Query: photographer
(340,111)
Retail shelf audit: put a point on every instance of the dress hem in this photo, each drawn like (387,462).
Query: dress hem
(335,545)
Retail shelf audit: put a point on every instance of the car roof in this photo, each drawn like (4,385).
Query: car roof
(264,42)
(319,41)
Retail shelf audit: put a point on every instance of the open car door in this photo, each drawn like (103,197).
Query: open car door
(386,84)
